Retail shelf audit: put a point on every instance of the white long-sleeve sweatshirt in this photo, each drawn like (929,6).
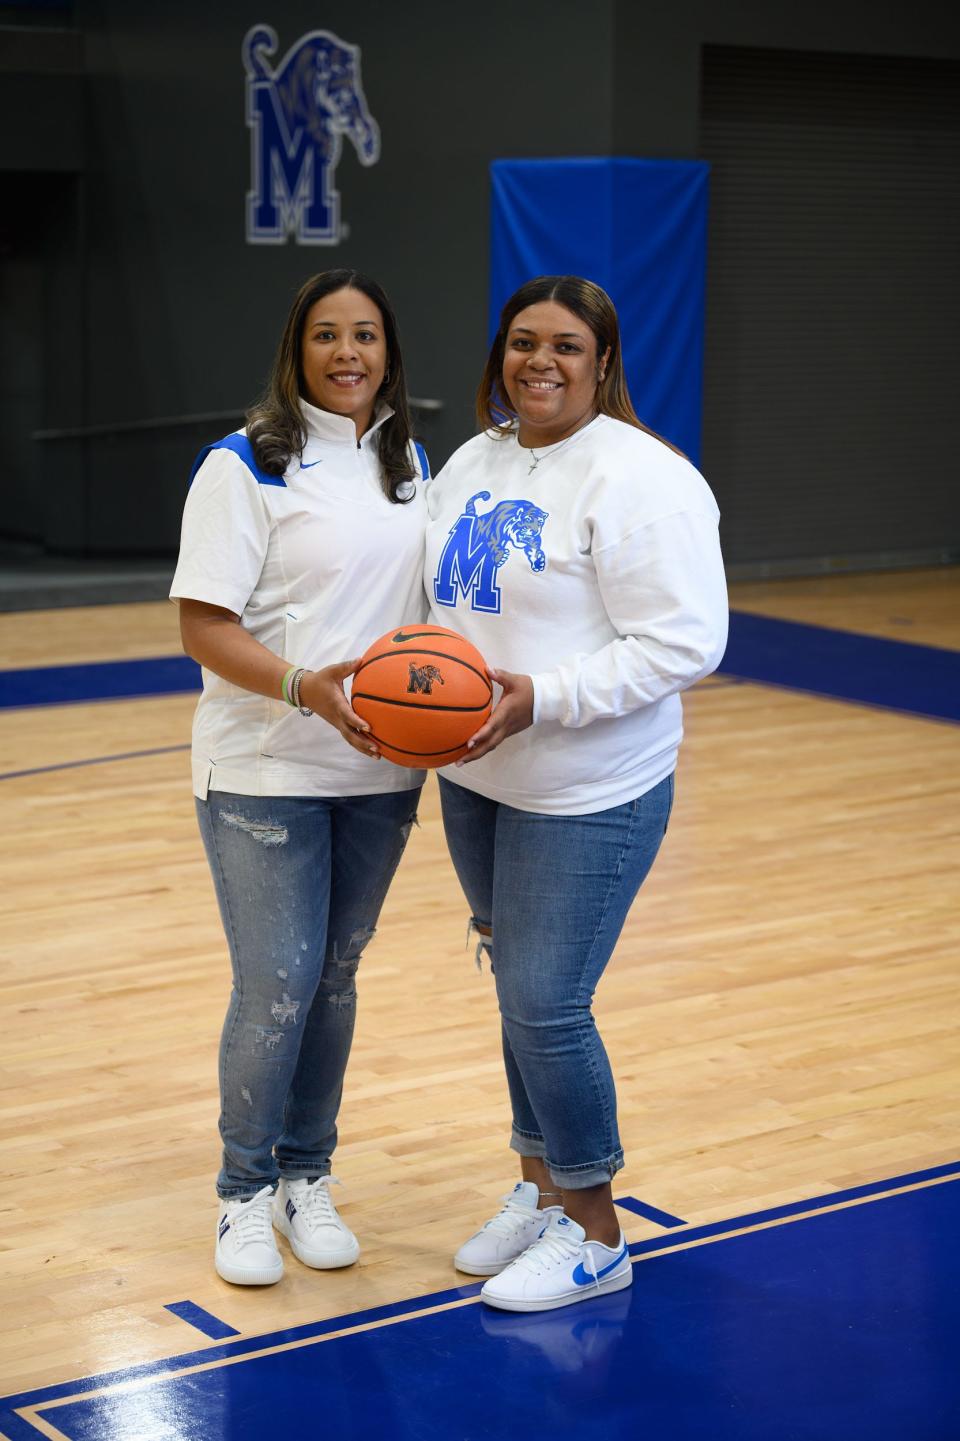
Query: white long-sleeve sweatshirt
(597,571)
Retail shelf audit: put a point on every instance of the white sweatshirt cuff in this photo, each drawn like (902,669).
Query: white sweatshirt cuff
(548,699)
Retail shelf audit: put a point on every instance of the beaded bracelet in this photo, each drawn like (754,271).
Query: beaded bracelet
(295,692)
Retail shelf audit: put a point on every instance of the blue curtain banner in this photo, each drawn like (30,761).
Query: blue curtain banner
(639,229)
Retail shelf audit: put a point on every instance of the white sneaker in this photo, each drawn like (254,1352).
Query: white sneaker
(508,1234)
(560,1268)
(246,1251)
(305,1213)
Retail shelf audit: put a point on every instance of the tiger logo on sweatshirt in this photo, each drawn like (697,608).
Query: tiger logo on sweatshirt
(480,544)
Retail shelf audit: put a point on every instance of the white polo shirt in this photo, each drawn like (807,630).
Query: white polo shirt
(317,567)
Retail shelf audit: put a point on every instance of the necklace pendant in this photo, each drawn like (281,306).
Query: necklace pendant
(536,462)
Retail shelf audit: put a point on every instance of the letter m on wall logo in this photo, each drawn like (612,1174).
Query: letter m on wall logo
(298,114)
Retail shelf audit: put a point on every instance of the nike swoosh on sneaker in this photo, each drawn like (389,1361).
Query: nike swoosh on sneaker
(582,1277)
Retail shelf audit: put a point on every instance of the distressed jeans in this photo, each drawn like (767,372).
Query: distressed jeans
(555,891)
(300,883)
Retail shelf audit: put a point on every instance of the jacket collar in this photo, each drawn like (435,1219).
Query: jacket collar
(325,425)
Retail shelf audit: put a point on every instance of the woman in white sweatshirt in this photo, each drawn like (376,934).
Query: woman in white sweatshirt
(579,553)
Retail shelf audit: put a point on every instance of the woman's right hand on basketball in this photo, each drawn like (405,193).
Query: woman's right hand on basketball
(322,691)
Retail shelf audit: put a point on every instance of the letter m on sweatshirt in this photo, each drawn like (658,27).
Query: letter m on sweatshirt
(467,567)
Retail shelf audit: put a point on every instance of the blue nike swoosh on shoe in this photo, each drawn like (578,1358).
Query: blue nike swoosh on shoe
(585,1278)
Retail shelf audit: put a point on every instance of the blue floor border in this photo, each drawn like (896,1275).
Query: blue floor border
(18,1430)
(99,680)
(869,670)
(897,675)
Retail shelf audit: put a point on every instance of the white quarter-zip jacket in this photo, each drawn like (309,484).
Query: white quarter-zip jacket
(317,567)
(597,571)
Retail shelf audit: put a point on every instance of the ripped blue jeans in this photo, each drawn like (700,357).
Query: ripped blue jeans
(554,891)
(300,883)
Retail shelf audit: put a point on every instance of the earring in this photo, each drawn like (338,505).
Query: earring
(386,377)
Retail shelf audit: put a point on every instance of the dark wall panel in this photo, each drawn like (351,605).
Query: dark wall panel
(154,305)
(833,286)
(184,315)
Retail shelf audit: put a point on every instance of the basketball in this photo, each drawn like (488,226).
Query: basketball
(424,691)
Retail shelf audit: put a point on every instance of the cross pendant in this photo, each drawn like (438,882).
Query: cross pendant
(536,462)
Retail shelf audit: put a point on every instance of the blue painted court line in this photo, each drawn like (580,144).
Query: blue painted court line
(650,1213)
(196,1316)
(842,1327)
(18,1430)
(93,761)
(895,675)
(103,680)
(228,1350)
(796,1208)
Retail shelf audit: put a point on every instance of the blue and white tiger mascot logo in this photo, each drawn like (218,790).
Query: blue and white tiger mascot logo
(478,545)
(298,114)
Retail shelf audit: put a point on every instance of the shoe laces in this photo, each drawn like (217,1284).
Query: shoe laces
(252,1221)
(315,1204)
(553,1248)
(505,1222)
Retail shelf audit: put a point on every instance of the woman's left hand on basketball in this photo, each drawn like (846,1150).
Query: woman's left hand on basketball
(513,713)
(322,691)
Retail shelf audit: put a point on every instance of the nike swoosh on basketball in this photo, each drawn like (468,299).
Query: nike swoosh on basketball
(400,637)
(586,1278)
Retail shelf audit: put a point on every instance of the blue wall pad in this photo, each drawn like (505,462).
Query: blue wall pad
(105,680)
(921,679)
(639,229)
(839,1325)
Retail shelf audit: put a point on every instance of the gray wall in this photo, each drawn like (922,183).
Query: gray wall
(167,311)
(183,316)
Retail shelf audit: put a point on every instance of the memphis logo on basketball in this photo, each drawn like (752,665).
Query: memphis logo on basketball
(422,678)
(423,692)
(478,545)
(298,113)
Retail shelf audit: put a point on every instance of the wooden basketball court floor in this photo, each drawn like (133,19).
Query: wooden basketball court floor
(781,1015)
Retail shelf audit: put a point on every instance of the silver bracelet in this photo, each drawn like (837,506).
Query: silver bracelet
(295,692)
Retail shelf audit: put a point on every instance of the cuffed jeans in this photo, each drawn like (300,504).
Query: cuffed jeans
(300,883)
(555,890)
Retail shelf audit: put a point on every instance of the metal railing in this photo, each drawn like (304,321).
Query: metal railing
(180,422)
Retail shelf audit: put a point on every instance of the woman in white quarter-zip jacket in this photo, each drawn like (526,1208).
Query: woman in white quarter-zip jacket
(580,554)
(302,542)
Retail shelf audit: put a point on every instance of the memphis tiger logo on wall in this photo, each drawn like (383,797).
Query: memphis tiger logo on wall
(298,113)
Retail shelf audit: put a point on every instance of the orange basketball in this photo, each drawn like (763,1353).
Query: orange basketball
(424,691)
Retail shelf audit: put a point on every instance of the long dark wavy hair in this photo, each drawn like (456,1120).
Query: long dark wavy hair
(592,305)
(275,424)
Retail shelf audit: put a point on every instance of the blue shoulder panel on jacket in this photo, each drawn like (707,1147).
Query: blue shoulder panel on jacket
(241,447)
(422,457)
